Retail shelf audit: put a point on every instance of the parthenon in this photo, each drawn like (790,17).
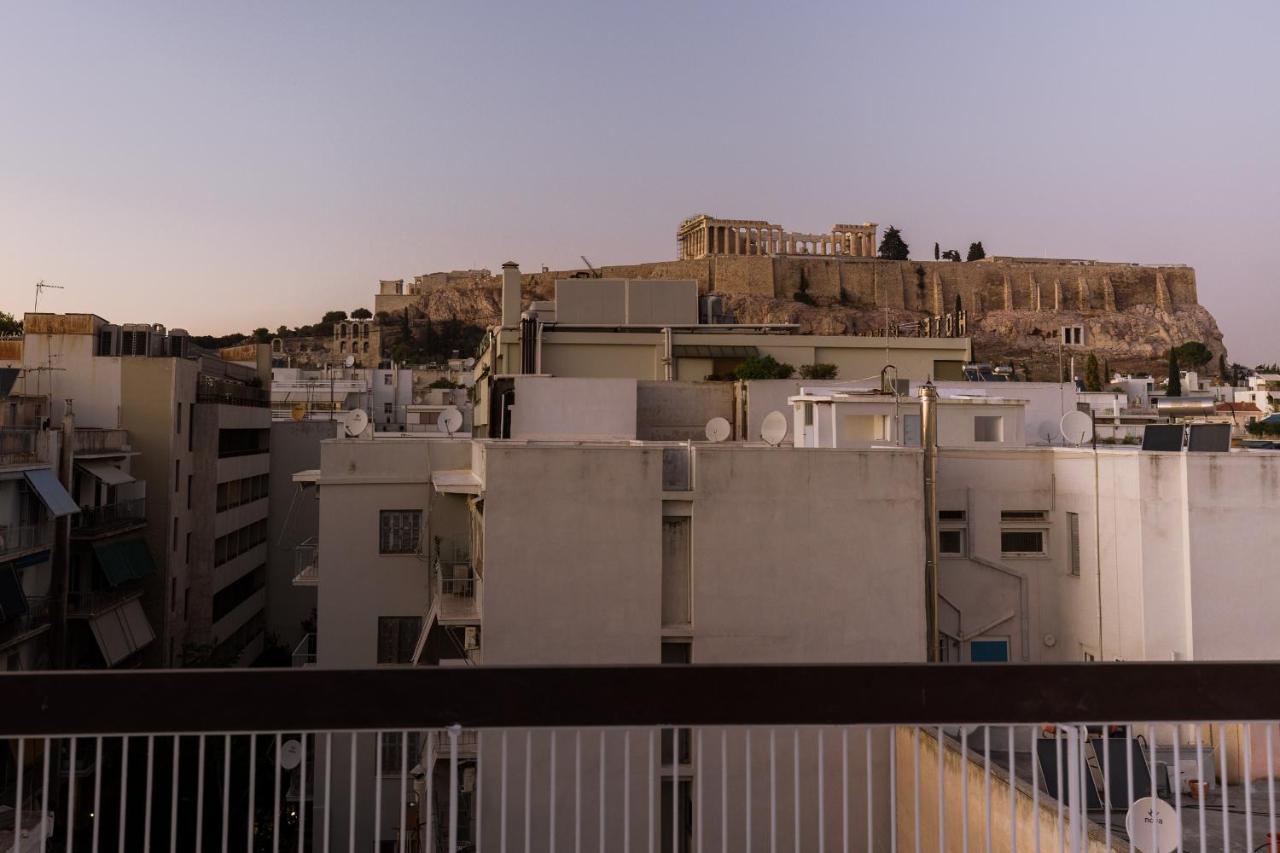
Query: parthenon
(702,236)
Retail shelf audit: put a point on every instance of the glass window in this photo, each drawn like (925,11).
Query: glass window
(1073,525)
(397,638)
(1022,541)
(951,541)
(398,531)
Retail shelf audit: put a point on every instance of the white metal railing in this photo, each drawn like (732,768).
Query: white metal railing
(832,788)
(304,654)
(458,591)
(306,563)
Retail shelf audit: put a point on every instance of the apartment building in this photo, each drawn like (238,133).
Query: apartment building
(395,399)
(194,428)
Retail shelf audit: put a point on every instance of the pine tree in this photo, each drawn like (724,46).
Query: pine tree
(1223,371)
(937,252)
(893,247)
(1092,378)
(1175,379)
(976,252)
(1106,370)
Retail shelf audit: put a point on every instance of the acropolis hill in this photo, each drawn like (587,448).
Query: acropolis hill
(1016,307)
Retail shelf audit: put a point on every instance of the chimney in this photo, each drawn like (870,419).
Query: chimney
(510,294)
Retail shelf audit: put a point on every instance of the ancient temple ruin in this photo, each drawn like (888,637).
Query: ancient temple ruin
(703,236)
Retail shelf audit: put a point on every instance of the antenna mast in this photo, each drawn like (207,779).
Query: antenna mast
(41,286)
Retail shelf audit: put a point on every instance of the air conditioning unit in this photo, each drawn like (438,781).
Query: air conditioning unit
(156,341)
(176,345)
(109,339)
(134,339)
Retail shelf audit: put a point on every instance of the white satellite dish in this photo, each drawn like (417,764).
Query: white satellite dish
(718,430)
(290,754)
(1076,427)
(356,422)
(774,428)
(349,361)
(450,420)
(1152,825)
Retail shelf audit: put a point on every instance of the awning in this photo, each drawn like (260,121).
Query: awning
(459,481)
(123,559)
(51,493)
(13,603)
(308,477)
(106,472)
(121,631)
(8,375)
(712,351)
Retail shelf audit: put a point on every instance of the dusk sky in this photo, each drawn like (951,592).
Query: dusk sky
(222,166)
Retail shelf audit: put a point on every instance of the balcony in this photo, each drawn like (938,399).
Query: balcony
(829,757)
(457,593)
(19,445)
(227,393)
(20,628)
(87,605)
(304,654)
(19,538)
(90,441)
(306,563)
(109,519)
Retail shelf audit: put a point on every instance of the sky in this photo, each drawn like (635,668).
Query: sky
(222,166)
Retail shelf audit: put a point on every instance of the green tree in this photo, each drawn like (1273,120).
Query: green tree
(1175,379)
(951,255)
(893,247)
(262,335)
(325,326)
(361,314)
(1106,370)
(1092,375)
(818,370)
(763,367)
(976,252)
(9,325)
(1193,354)
(937,252)
(282,331)
(1224,371)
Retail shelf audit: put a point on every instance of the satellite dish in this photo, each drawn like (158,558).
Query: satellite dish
(1076,427)
(718,430)
(1152,825)
(298,412)
(290,754)
(450,420)
(356,422)
(349,361)
(774,428)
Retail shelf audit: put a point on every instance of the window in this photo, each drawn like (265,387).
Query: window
(397,638)
(1023,515)
(191,417)
(177,418)
(951,515)
(177,476)
(677,555)
(173,594)
(988,428)
(951,541)
(186,602)
(387,408)
(238,591)
(342,346)
(948,370)
(398,531)
(188,547)
(1072,335)
(676,652)
(175,534)
(386,379)
(188,491)
(366,346)
(391,751)
(1021,542)
(237,542)
(1073,528)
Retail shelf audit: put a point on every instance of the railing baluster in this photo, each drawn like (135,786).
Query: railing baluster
(577,791)
(454,731)
(822,832)
(404,790)
(1271,794)
(1222,752)
(71,798)
(429,794)
(275,800)
(1035,787)
(551,791)
(173,794)
(200,797)
(1151,768)
(17,805)
(44,799)
(124,791)
(698,772)
(746,811)
(351,799)
(870,797)
(603,732)
(986,785)
(328,780)
(226,789)
(1177,781)
(626,791)
(1128,768)
(893,789)
(915,784)
(251,818)
(675,790)
(773,791)
(502,797)
(1013,794)
(650,787)
(528,788)
(1248,785)
(1057,754)
(302,793)
(146,807)
(479,812)
(795,748)
(964,789)
(97,789)
(942,804)
(1203,782)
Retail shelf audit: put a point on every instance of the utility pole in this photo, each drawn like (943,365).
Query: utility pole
(59,577)
(929,441)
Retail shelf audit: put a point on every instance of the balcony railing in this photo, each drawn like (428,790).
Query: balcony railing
(306,563)
(304,654)
(25,537)
(101,440)
(19,445)
(878,757)
(458,593)
(84,605)
(95,521)
(17,627)
(227,393)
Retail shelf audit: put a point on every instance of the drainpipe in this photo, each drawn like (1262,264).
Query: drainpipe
(929,441)
(668,361)
(537,355)
(60,575)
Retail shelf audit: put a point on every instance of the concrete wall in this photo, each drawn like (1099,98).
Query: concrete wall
(568,409)
(92,382)
(677,411)
(293,516)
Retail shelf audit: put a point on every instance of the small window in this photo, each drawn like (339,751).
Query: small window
(951,542)
(188,546)
(951,515)
(388,408)
(175,534)
(177,475)
(988,428)
(1022,542)
(1073,526)
(1072,335)
(177,418)
(398,531)
(386,379)
(189,491)
(1024,515)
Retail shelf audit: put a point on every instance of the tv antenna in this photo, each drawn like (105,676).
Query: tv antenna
(40,288)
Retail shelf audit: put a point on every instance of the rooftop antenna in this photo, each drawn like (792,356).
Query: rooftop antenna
(718,429)
(774,428)
(594,272)
(41,286)
(450,421)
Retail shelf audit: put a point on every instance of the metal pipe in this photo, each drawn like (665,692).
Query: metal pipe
(668,358)
(929,441)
